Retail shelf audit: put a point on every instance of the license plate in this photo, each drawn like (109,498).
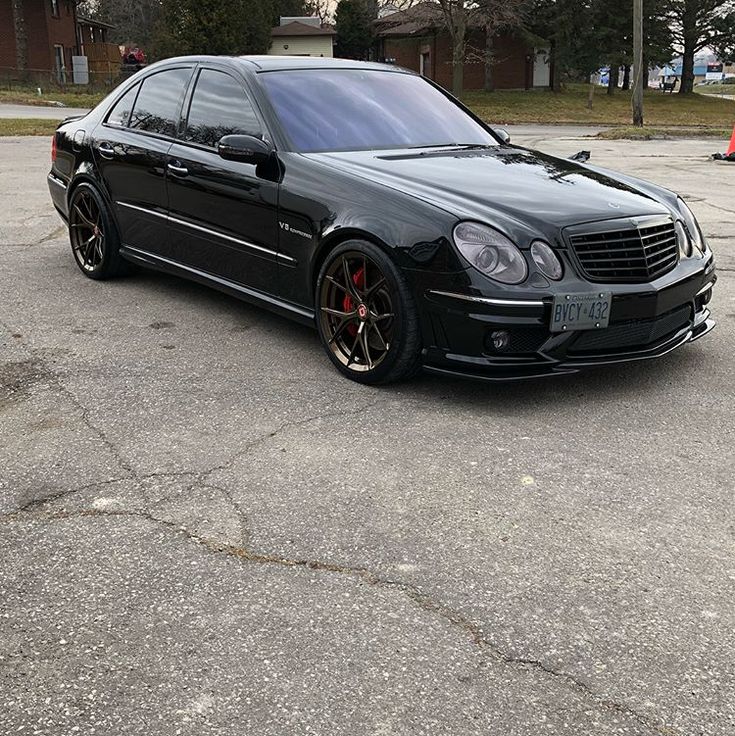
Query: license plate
(580,311)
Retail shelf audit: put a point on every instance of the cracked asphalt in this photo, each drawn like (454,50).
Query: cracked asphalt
(205,530)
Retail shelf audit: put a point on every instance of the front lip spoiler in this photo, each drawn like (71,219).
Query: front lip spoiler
(703,325)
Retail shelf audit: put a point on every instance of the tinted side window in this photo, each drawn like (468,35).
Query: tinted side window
(218,107)
(120,114)
(157,107)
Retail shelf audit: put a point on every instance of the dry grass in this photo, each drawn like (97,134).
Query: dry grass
(570,106)
(29,96)
(647,133)
(27,126)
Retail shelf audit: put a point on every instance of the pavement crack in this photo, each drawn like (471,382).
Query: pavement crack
(280,429)
(422,600)
(720,207)
(35,504)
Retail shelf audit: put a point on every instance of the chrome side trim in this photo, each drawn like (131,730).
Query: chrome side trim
(55,180)
(152,258)
(488,300)
(208,231)
(147,211)
(706,287)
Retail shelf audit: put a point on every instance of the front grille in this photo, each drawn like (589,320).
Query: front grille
(628,254)
(634,333)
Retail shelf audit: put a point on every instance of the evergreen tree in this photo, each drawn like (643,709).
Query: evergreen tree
(354,26)
(230,27)
(568,26)
(698,24)
(287,9)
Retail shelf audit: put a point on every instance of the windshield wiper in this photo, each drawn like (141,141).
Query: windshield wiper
(459,146)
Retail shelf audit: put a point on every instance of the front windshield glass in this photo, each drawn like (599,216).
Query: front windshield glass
(359,110)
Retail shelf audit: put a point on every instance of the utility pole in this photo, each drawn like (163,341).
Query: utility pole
(638,63)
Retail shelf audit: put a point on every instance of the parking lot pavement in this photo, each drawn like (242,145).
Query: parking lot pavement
(205,530)
(43,112)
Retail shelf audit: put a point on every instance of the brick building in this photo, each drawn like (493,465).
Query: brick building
(417,39)
(51,30)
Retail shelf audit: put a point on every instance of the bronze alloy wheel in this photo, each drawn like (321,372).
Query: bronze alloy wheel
(87,231)
(357,312)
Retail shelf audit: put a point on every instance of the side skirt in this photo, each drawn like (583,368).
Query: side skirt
(258,298)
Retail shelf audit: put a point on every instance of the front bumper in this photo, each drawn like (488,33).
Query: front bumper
(645,323)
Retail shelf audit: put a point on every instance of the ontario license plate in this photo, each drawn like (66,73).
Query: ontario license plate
(580,311)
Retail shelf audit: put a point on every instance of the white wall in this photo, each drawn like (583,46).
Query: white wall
(302,46)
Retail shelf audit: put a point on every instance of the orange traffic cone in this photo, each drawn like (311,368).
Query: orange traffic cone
(731,148)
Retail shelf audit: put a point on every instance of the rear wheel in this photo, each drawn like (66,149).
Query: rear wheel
(94,239)
(366,316)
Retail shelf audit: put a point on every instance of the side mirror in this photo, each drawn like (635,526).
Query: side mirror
(244,148)
(503,134)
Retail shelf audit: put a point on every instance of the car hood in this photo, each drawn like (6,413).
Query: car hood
(514,183)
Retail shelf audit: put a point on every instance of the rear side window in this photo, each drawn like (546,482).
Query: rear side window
(157,107)
(219,107)
(120,114)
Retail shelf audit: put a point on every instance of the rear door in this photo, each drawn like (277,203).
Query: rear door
(130,149)
(223,214)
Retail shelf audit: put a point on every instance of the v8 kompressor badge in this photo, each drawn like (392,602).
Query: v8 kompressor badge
(289,229)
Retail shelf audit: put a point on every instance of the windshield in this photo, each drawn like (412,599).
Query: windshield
(358,110)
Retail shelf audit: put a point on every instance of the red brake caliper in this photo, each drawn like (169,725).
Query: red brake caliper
(358,278)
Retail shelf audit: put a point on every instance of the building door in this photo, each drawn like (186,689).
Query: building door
(425,64)
(541,68)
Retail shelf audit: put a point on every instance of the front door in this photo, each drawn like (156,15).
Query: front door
(222,215)
(130,149)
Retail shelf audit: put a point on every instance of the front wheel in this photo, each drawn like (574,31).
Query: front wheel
(366,315)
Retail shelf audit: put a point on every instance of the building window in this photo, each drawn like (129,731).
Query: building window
(60,66)
(55,8)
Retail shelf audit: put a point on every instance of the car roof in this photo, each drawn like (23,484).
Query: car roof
(266,63)
(272,63)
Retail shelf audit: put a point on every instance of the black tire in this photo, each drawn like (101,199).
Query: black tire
(94,239)
(366,315)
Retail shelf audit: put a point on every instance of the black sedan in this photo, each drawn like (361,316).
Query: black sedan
(365,200)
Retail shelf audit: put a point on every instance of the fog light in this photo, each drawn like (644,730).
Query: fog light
(500,339)
(705,298)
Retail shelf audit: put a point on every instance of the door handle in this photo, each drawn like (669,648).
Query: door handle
(177,169)
(106,150)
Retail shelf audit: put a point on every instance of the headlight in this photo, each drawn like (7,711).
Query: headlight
(683,240)
(692,229)
(490,252)
(546,260)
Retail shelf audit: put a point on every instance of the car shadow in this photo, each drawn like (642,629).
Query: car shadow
(601,385)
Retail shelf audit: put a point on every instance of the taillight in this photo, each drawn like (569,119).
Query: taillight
(53,148)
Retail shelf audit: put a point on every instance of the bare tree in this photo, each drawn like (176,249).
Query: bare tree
(462,15)
(320,9)
(21,37)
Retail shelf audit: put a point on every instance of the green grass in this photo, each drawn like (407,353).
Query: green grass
(29,96)
(570,106)
(27,126)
